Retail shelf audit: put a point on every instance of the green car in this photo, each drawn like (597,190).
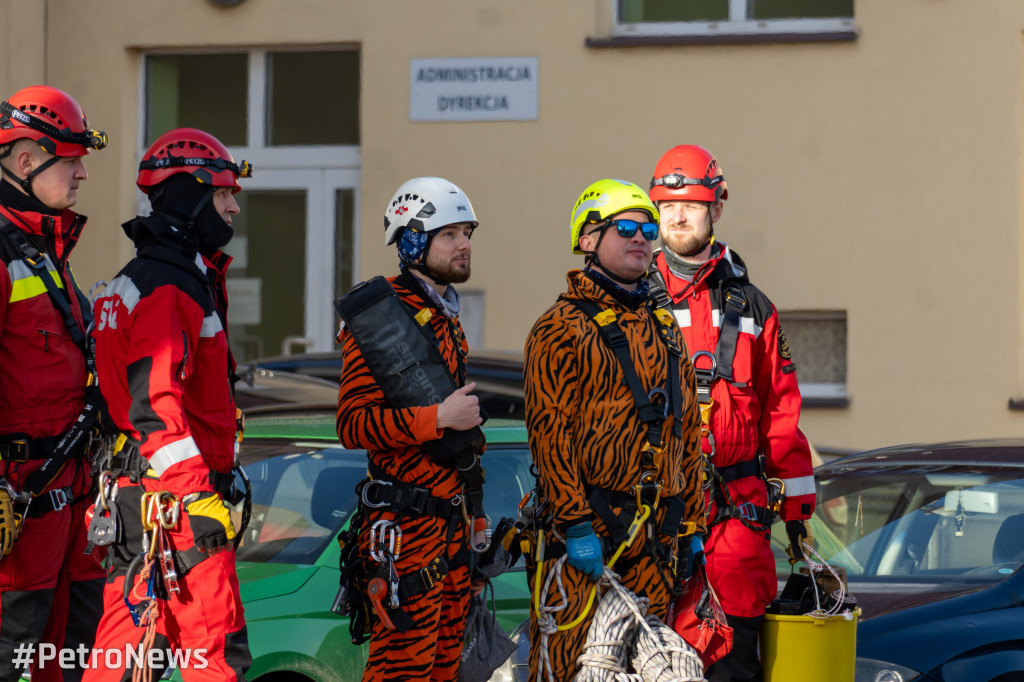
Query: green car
(303,489)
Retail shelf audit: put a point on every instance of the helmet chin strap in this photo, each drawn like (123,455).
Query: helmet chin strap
(421,265)
(593,260)
(26,182)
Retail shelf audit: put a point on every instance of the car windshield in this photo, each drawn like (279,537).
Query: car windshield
(926,524)
(303,493)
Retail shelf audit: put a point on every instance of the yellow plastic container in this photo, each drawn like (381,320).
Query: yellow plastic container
(799,648)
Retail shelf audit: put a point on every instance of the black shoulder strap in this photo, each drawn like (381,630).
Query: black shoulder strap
(406,364)
(61,299)
(734,303)
(659,290)
(650,414)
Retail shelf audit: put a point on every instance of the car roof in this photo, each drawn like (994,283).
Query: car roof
(320,425)
(1005,453)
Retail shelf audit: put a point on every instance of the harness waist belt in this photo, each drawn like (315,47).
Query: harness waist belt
(751,467)
(51,500)
(381,492)
(15,448)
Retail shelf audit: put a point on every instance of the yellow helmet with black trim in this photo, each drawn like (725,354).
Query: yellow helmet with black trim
(603,199)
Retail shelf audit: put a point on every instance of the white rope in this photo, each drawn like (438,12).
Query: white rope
(661,655)
(838,595)
(611,632)
(546,619)
(624,644)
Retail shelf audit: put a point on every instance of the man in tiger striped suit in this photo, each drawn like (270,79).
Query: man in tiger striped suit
(613,428)
(431,221)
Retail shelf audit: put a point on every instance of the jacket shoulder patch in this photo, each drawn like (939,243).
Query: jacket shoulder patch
(784,345)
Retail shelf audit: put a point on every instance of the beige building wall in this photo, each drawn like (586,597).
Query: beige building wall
(878,176)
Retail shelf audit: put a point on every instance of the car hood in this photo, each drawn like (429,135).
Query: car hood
(266,580)
(884,613)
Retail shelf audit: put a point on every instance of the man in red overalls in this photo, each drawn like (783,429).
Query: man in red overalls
(165,369)
(750,402)
(50,591)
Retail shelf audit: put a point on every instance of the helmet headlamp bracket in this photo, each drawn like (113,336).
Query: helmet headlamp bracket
(90,139)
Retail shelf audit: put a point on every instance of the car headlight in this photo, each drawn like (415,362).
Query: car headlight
(870,670)
(517,667)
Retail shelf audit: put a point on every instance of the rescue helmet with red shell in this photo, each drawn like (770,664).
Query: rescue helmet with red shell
(50,117)
(420,207)
(688,172)
(194,152)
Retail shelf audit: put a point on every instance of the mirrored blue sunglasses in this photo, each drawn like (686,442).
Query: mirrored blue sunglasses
(628,228)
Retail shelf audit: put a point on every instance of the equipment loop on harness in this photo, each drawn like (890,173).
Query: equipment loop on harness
(365,496)
(648,481)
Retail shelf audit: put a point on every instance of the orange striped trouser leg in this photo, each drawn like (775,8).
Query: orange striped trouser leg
(432,647)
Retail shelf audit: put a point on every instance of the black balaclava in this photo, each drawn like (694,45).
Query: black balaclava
(190,205)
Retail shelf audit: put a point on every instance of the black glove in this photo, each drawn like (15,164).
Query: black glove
(210,519)
(796,531)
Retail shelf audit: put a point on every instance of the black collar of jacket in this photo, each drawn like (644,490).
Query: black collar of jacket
(155,237)
(626,298)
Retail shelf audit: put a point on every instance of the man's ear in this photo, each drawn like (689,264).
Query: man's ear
(24,159)
(587,242)
(716,210)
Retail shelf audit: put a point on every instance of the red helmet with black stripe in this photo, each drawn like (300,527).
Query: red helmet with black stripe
(688,172)
(50,117)
(191,151)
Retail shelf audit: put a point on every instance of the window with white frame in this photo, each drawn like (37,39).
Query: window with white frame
(817,343)
(731,17)
(294,114)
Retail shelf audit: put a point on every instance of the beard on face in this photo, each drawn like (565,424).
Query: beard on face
(447,271)
(689,244)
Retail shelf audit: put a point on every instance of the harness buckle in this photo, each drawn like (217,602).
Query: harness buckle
(431,573)
(17,450)
(58,498)
(644,486)
(704,376)
(418,499)
(365,495)
(659,401)
(747,511)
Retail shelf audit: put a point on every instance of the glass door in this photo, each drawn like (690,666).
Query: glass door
(293,255)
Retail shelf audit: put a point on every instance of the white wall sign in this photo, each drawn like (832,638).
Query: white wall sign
(473,89)
(244,294)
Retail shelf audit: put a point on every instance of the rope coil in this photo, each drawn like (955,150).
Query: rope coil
(625,644)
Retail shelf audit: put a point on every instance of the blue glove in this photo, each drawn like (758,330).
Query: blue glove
(583,550)
(691,554)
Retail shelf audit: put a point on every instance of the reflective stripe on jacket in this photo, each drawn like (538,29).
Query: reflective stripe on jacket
(163,360)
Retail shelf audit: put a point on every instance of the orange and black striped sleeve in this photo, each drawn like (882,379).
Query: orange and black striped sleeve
(365,420)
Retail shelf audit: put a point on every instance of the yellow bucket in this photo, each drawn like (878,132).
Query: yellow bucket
(797,648)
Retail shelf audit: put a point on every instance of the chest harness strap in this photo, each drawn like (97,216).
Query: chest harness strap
(56,450)
(653,408)
(709,367)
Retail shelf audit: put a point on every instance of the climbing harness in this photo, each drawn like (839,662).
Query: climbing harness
(402,355)
(84,437)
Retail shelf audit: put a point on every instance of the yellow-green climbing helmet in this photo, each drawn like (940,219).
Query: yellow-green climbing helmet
(602,200)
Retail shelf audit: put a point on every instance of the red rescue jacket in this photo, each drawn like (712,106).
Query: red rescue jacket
(163,360)
(42,371)
(757,412)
